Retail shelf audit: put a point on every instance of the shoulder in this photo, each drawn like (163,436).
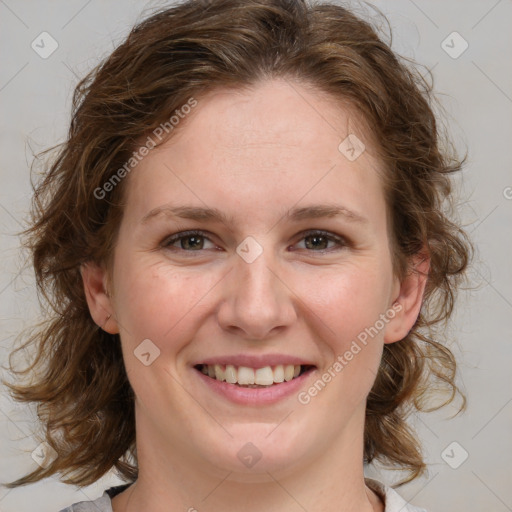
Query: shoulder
(393,501)
(102,504)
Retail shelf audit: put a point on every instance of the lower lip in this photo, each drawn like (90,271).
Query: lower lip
(255,396)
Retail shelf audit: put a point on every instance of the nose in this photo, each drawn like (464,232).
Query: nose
(257,302)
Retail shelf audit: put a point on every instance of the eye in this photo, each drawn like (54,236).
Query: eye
(195,241)
(188,241)
(318,241)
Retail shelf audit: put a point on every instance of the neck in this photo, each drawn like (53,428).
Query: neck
(171,479)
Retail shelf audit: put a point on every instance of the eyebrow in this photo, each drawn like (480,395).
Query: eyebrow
(215,215)
(325,210)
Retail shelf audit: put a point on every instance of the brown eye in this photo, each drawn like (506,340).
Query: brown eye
(318,241)
(188,241)
(192,242)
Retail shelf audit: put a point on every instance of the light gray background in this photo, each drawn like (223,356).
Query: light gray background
(476,87)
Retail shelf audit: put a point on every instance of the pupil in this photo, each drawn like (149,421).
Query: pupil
(318,242)
(192,242)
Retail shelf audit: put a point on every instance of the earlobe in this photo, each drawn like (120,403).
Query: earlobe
(408,302)
(100,304)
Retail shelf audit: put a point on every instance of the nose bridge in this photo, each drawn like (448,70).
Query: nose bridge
(258,302)
(256,281)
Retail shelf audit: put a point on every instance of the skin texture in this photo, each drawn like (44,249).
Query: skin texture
(254,155)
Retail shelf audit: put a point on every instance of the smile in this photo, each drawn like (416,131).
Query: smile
(245,376)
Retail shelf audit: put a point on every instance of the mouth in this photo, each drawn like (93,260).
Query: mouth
(247,377)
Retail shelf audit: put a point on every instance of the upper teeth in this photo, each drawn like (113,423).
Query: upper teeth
(243,375)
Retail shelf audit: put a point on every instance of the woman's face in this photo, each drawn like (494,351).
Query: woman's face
(274,277)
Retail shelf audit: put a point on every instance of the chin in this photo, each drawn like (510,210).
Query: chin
(257,449)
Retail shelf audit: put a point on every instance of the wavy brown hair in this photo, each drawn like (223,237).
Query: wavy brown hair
(77,376)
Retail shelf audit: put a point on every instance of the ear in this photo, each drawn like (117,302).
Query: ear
(98,298)
(408,299)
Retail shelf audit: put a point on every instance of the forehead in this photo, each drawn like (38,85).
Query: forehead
(265,147)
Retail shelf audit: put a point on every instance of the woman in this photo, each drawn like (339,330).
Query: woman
(244,243)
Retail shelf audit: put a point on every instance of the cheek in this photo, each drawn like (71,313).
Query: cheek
(159,302)
(347,300)
(164,306)
(348,306)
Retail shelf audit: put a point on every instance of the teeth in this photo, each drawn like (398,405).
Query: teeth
(219,373)
(231,374)
(279,373)
(264,376)
(251,377)
(245,375)
(289,370)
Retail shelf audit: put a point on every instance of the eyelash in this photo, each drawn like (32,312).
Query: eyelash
(167,243)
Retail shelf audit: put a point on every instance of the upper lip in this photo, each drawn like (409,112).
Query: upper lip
(255,361)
